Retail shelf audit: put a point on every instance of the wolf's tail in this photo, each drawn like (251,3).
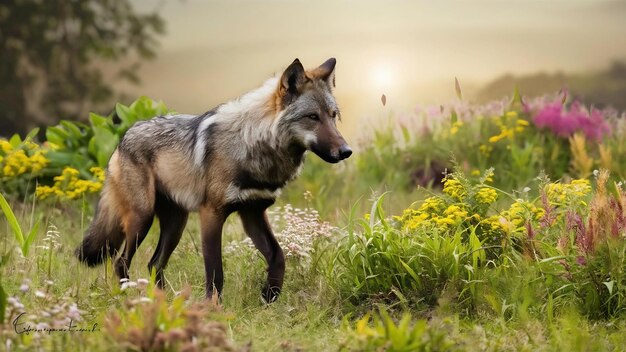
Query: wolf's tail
(104,236)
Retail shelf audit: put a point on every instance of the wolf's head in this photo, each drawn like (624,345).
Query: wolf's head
(309,111)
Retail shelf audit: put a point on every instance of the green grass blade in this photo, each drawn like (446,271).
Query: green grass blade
(12,220)
(30,238)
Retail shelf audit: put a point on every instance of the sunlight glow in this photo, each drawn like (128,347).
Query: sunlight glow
(383,76)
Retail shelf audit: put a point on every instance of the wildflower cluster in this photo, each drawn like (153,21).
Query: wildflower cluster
(52,314)
(21,158)
(463,202)
(300,228)
(564,123)
(509,125)
(466,205)
(575,192)
(155,324)
(515,219)
(69,185)
(486,195)
(453,188)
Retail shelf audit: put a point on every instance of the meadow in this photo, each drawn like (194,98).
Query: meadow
(461,227)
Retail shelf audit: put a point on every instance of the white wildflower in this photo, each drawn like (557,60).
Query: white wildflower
(128,284)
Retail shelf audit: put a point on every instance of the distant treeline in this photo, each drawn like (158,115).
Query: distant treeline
(604,88)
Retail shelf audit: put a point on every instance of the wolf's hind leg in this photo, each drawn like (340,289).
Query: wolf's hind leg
(136,228)
(257,227)
(172,220)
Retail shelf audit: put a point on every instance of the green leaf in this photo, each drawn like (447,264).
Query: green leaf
(98,120)
(106,142)
(32,134)
(125,114)
(15,140)
(410,271)
(12,220)
(57,136)
(609,286)
(30,238)
(73,130)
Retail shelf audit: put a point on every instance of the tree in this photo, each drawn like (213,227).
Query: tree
(52,54)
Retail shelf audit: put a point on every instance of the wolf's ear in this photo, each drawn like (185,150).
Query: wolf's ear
(293,80)
(325,72)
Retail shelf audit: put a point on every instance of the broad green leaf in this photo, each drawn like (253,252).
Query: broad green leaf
(15,140)
(57,136)
(125,114)
(72,129)
(106,142)
(98,120)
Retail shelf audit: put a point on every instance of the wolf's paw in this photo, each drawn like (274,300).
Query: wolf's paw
(270,294)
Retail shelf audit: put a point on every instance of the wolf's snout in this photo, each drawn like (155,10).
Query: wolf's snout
(344,152)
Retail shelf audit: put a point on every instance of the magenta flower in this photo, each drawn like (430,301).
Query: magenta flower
(555,117)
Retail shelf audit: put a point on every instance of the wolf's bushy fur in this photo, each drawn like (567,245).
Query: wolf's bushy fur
(235,157)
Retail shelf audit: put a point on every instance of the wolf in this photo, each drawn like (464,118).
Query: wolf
(233,158)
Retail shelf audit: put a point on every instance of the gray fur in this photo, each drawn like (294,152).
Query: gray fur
(236,157)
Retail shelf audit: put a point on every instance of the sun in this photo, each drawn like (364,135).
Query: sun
(383,76)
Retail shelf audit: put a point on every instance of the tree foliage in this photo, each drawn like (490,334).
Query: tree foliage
(53,54)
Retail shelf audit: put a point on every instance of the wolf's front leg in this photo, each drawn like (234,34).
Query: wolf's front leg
(257,227)
(211,223)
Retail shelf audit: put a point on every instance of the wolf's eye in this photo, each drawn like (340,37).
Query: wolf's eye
(314,117)
(334,114)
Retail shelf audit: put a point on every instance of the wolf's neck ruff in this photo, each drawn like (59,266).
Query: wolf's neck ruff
(263,155)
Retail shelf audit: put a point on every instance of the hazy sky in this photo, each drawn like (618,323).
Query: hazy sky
(409,50)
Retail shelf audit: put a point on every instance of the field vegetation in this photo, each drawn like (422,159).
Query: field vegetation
(492,227)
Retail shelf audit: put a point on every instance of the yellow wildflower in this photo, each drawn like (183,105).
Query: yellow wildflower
(98,172)
(38,161)
(455,127)
(455,213)
(42,192)
(506,132)
(485,149)
(494,223)
(69,185)
(5,146)
(15,163)
(561,194)
(454,189)
(486,195)
(432,204)
(511,115)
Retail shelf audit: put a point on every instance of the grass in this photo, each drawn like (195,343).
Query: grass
(310,315)
(512,262)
